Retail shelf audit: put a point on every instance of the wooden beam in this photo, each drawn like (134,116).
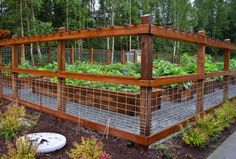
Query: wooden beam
(49,54)
(81,34)
(146,74)
(72,55)
(1,76)
(92,56)
(201,70)
(175,34)
(61,60)
(226,68)
(14,65)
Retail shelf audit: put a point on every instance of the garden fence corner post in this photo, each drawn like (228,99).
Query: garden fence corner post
(92,56)
(108,56)
(61,60)
(1,75)
(146,74)
(226,69)
(200,70)
(14,65)
(72,55)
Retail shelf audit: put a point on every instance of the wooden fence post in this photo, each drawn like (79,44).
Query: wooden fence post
(108,56)
(201,70)
(123,56)
(146,74)
(134,57)
(61,60)
(226,68)
(14,64)
(92,56)
(1,76)
(72,55)
(22,53)
(49,54)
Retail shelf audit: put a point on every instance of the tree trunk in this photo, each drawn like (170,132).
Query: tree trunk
(28,30)
(22,32)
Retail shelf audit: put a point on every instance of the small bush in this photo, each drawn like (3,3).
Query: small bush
(165,151)
(195,137)
(89,148)
(10,120)
(209,127)
(24,150)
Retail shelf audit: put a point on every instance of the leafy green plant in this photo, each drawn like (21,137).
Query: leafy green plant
(209,127)
(89,148)
(195,137)
(10,120)
(25,149)
(165,151)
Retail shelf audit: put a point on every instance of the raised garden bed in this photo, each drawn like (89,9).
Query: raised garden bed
(23,82)
(122,102)
(178,93)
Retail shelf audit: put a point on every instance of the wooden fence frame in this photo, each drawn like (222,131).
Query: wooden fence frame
(147,30)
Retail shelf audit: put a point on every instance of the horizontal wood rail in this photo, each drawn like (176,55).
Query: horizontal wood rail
(4,33)
(81,34)
(160,81)
(175,34)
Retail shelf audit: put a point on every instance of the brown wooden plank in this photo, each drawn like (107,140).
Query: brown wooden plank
(49,54)
(1,75)
(14,64)
(226,68)
(174,34)
(160,81)
(146,74)
(80,34)
(61,60)
(200,69)
(72,55)
(92,55)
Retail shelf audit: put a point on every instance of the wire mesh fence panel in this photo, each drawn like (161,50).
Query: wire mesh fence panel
(213,92)
(6,56)
(100,56)
(175,104)
(232,86)
(68,55)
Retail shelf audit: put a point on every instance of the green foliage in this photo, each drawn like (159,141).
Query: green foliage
(194,136)
(165,151)
(89,148)
(25,149)
(209,127)
(10,120)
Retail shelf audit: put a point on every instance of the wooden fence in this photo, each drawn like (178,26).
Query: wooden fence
(146,110)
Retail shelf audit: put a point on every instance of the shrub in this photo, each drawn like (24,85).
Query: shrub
(208,127)
(89,148)
(10,120)
(195,137)
(24,150)
(210,124)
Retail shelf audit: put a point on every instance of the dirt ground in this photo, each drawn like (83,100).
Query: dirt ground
(117,148)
